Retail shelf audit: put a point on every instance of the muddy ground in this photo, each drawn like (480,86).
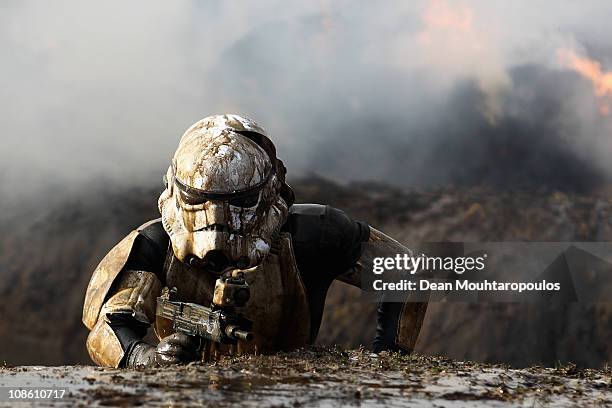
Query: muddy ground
(322,377)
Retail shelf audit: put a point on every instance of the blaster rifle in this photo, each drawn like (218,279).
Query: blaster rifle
(218,323)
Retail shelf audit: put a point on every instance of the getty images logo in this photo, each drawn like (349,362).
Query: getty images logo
(413,264)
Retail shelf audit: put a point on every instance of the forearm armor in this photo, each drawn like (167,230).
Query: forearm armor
(124,318)
(398,324)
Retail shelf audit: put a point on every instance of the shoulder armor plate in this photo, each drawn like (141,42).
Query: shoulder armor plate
(104,275)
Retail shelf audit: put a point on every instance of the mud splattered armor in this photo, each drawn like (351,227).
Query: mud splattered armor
(226,210)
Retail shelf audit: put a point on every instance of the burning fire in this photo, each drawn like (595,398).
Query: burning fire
(591,70)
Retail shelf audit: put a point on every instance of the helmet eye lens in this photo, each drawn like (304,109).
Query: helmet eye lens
(192,199)
(247,201)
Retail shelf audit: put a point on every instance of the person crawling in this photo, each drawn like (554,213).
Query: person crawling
(232,265)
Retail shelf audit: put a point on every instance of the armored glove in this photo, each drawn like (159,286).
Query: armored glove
(177,348)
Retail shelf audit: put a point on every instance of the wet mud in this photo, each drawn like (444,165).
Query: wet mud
(322,377)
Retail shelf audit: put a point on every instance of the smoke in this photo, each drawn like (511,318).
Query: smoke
(416,93)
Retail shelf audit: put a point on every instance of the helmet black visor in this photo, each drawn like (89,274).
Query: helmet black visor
(245,198)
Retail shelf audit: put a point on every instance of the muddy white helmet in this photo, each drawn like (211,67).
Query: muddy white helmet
(226,196)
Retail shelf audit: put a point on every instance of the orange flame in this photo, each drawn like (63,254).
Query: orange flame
(591,70)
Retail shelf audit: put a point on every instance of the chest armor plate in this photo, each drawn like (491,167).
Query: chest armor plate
(278,306)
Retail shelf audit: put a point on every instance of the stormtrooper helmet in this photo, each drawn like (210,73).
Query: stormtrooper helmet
(226,197)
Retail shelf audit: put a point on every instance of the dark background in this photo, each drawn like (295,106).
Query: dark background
(48,259)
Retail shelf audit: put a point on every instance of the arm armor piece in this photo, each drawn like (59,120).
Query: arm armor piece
(103,277)
(149,238)
(399,324)
(134,298)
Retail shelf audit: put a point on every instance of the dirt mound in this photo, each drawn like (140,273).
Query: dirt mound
(46,258)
